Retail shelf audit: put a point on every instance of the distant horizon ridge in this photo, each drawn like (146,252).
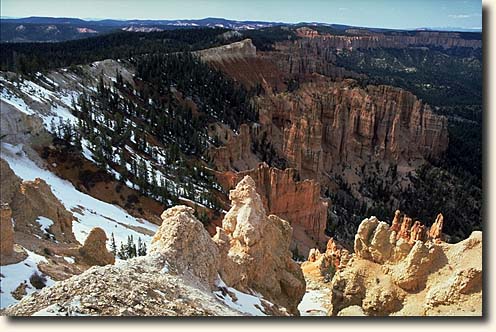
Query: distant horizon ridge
(158,21)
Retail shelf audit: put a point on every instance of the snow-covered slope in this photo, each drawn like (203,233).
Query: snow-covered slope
(89,211)
(53,96)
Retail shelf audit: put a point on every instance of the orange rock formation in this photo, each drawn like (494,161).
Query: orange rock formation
(6,232)
(325,124)
(94,251)
(29,200)
(254,250)
(298,202)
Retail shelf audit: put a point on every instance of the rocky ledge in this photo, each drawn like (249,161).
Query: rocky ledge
(186,272)
(403,270)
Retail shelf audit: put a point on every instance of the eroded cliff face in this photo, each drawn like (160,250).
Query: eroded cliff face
(368,39)
(236,153)
(325,125)
(297,201)
(333,132)
(243,63)
(6,232)
(238,50)
(30,200)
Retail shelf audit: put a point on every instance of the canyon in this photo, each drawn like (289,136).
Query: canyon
(262,207)
(335,132)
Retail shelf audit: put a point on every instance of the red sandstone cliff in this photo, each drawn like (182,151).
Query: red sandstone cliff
(323,129)
(236,152)
(367,39)
(324,124)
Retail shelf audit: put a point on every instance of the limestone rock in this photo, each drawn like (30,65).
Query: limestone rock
(236,152)
(417,232)
(362,238)
(135,287)
(395,226)
(258,256)
(462,282)
(405,228)
(368,40)
(412,272)
(382,299)
(347,289)
(298,202)
(32,199)
(380,245)
(324,124)
(185,244)
(180,271)
(313,255)
(340,256)
(245,220)
(37,199)
(94,251)
(422,276)
(353,311)
(436,229)
(6,232)
(335,258)
(242,49)
(18,127)
(9,183)
(29,200)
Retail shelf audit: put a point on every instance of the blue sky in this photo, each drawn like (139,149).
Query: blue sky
(403,14)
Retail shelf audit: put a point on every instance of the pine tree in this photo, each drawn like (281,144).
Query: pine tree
(113,246)
(130,247)
(122,254)
(122,164)
(141,248)
(118,78)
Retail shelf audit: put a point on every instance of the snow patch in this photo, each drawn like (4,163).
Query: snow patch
(242,302)
(45,223)
(13,275)
(15,101)
(69,260)
(312,303)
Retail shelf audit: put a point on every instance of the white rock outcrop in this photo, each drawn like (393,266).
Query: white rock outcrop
(254,250)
